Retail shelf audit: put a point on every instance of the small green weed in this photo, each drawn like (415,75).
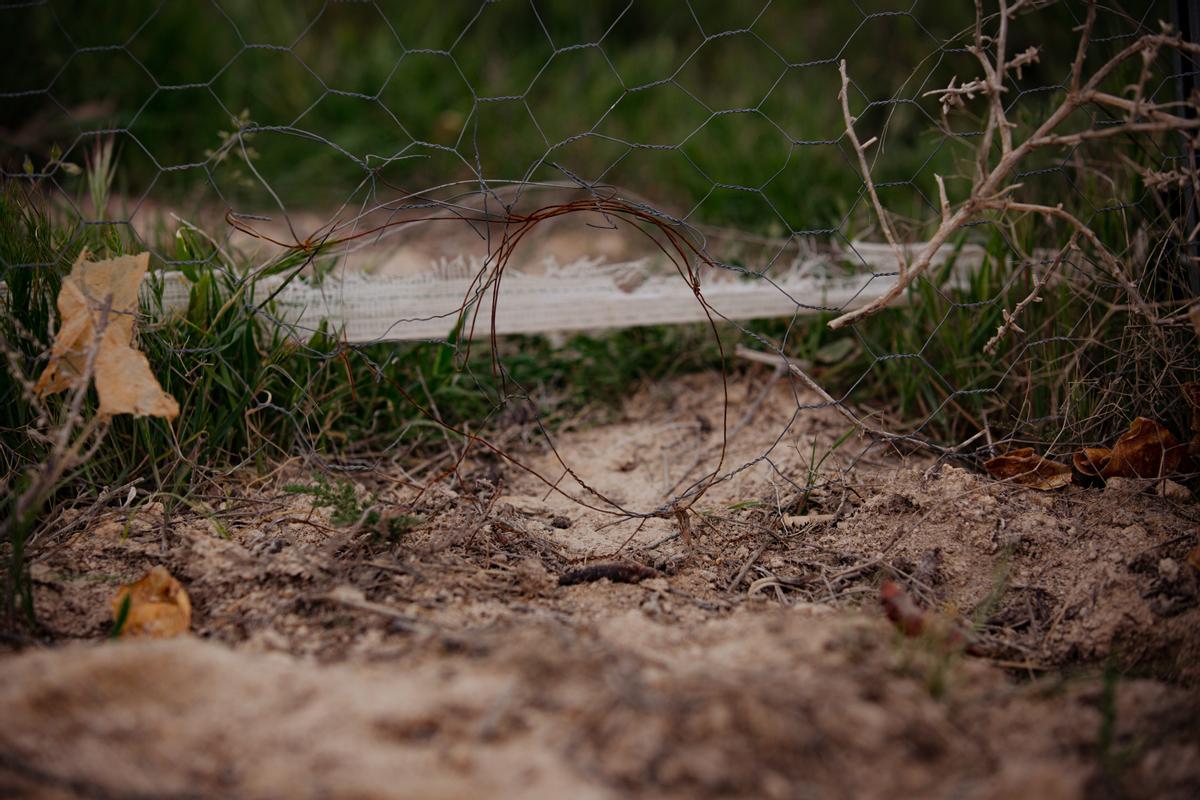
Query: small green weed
(347,509)
(814,464)
(122,616)
(1114,756)
(340,497)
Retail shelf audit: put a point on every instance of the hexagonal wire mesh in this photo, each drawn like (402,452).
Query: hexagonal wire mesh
(632,150)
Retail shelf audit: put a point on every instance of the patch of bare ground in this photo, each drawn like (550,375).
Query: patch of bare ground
(448,660)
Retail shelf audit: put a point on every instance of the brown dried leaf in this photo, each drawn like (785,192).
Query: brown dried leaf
(1091,460)
(159,607)
(1022,466)
(1146,450)
(101,297)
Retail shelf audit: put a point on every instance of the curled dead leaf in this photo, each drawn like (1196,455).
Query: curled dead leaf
(1146,450)
(1022,466)
(158,606)
(1091,460)
(97,306)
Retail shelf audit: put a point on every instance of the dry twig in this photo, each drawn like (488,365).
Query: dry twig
(991,189)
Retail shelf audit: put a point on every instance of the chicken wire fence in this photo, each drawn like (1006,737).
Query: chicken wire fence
(408,193)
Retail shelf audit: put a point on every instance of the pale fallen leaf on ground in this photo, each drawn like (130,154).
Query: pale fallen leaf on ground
(800,520)
(1173,490)
(1022,466)
(1146,450)
(159,607)
(101,297)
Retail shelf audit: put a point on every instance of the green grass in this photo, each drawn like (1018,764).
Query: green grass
(177,79)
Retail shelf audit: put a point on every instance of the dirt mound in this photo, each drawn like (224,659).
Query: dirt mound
(443,658)
(756,704)
(1056,579)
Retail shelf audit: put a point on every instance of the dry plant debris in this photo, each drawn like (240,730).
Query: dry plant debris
(1025,468)
(1146,451)
(97,307)
(902,610)
(913,621)
(156,606)
(617,572)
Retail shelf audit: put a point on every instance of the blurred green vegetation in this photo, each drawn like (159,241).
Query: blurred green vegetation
(363,99)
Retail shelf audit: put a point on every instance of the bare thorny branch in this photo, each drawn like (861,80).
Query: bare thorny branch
(69,437)
(991,190)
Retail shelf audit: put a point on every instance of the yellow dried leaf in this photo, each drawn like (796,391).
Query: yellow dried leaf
(159,607)
(102,297)
(127,386)
(1022,466)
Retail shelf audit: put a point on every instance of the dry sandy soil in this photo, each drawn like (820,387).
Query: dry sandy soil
(451,661)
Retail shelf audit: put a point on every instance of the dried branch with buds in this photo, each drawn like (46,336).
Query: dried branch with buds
(993,189)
